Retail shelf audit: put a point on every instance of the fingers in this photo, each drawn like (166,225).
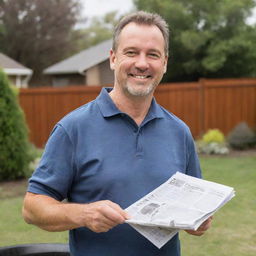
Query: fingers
(119,209)
(101,216)
(205,225)
(202,229)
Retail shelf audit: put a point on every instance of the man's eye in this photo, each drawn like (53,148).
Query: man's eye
(130,53)
(154,55)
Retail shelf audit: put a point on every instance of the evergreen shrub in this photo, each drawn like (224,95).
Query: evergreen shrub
(242,137)
(14,144)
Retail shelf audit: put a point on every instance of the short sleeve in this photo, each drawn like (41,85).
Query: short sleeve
(55,172)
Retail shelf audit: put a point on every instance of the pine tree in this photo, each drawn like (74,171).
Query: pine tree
(14,145)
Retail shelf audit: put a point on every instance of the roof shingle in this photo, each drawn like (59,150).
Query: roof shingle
(82,61)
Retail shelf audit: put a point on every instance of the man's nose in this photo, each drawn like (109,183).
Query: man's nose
(142,62)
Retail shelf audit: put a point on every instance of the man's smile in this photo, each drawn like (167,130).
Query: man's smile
(140,76)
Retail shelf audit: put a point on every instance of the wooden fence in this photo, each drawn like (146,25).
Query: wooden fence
(209,103)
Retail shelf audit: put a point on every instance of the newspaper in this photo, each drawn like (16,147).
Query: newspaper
(182,202)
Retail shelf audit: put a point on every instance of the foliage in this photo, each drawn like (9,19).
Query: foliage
(208,38)
(100,29)
(211,148)
(37,33)
(213,142)
(15,90)
(214,135)
(35,156)
(14,146)
(242,137)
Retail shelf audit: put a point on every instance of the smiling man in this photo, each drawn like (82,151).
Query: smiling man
(107,154)
(139,61)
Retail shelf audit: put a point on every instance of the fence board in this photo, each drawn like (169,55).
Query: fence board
(44,107)
(184,101)
(228,102)
(209,103)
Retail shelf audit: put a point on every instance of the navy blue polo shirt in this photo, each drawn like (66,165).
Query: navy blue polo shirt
(98,152)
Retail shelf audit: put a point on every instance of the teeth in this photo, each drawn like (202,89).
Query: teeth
(141,77)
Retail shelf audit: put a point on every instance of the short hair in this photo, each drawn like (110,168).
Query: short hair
(142,18)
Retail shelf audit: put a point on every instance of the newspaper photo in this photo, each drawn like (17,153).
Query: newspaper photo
(182,202)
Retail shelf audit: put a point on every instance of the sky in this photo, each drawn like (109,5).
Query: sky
(92,8)
(101,7)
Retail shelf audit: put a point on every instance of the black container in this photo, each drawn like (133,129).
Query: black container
(36,250)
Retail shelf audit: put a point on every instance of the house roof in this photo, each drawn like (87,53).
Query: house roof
(12,67)
(82,61)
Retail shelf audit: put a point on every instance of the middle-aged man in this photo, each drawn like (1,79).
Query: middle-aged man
(107,154)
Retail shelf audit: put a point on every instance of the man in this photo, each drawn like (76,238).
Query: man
(112,151)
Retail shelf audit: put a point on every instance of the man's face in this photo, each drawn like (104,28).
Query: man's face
(139,61)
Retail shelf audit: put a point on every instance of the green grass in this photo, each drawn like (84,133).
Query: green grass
(233,229)
(14,230)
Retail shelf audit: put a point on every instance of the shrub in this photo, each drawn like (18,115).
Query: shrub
(14,145)
(241,137)
(212,148)
(35,157)
(214,135)
(213,142)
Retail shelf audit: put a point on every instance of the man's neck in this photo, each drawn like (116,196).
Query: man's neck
(134,106)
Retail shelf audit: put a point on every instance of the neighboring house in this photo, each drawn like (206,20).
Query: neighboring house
(89,67)
(18,74)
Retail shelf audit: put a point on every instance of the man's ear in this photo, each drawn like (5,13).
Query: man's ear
(112,59)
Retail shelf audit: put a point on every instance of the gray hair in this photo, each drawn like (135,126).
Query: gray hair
(143,18)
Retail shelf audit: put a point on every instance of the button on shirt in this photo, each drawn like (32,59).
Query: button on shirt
(99,153)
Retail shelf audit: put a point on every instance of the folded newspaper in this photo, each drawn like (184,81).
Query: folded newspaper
(182,202)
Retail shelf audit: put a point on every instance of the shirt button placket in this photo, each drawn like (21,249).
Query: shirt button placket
(139,151)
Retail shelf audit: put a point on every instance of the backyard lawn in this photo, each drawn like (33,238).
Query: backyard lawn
(233,231)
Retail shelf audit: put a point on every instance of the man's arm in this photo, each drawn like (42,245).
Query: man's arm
(52,215)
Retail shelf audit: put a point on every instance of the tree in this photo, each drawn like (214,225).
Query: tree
(208,38)
(37,33)
(14,146)
(100,29)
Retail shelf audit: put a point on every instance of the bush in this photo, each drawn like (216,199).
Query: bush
(241,137)
(14,145)
(35,156)
(214,135)
(213,142)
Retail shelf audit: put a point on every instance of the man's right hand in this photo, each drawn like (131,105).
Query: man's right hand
(101,216)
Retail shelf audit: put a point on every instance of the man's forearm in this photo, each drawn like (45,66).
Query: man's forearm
(52,215)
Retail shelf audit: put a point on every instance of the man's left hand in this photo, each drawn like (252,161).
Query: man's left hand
(202,229)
